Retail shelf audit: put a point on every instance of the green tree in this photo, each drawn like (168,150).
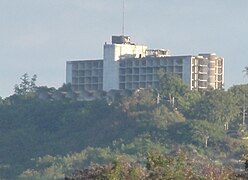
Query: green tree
(168,167)
(186,103)
(162,116)
(245,71)
(170,85)
(27,86)
(216,106)
(139,105)
(240,93)
(204,133)
(200,133)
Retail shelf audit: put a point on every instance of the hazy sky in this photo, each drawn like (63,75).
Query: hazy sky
(39,36)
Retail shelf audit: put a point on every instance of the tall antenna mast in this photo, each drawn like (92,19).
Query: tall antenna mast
(123,17)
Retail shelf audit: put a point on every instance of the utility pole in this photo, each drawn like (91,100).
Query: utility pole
(244,113)
(158,98)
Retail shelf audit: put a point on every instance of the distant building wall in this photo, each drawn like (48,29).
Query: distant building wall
(112,54)
(69,72)
(143,72)
(85,75)
(186,70)
(216,70)
(126,65)
(110,67)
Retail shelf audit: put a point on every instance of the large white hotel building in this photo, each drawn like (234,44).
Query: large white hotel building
(126,65)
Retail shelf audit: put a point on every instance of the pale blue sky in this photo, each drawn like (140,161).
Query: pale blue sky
(39,36)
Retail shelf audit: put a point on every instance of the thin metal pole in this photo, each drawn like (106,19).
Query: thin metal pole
(123,18)
(244,111)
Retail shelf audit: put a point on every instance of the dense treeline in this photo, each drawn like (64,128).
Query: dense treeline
(134,136)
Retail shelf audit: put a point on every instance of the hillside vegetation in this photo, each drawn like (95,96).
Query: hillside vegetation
(167,133)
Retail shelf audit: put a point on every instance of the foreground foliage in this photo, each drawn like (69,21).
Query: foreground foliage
(46,134)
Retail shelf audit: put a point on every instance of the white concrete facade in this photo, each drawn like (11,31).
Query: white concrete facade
(143,72)
(112,54)
(126,65)
(85,75)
